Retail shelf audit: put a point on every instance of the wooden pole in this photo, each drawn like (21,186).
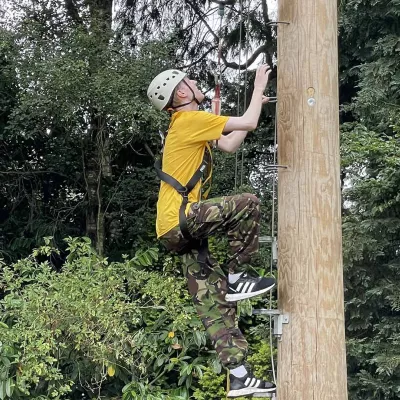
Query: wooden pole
(311,355)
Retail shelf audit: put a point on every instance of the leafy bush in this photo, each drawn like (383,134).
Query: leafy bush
(98,329)
(93,327)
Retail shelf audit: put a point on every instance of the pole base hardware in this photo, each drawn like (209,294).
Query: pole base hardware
(278,318)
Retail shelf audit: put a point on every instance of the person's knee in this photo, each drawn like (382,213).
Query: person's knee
(252,198)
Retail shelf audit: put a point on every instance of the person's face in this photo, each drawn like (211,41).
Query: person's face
(193,85)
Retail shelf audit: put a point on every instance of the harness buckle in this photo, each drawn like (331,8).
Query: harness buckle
(183,192)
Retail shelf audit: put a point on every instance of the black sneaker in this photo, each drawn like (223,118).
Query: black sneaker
(247,286)
(249,386)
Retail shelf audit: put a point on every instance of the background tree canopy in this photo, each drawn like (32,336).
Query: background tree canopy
(104,313)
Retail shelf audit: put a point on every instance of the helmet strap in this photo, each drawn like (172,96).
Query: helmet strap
(194,99)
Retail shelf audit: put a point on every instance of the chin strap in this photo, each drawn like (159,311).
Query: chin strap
(194,99)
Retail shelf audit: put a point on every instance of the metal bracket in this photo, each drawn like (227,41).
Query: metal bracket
(278,318)
(274,245)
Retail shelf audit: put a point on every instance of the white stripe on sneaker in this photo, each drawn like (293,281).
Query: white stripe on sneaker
(246,286)
(253,381)
(241,296)
(247,382)
(252,286)
(239,288)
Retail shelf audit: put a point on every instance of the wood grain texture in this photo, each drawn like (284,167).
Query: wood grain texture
(311,355)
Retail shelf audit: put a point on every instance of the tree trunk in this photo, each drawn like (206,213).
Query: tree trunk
(98,157)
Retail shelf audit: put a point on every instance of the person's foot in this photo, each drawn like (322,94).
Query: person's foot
(246,384)
(242,286)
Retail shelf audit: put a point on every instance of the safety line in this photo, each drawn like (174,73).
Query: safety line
(274,187)
(245,80)
(238,84)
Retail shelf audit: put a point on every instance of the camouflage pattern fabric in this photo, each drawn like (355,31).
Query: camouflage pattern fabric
(237,217)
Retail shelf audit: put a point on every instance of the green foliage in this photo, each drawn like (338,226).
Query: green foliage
(370,59)
(94,323)
(371,233)
(139,391)
(76,133)
(212,384)
(369,35)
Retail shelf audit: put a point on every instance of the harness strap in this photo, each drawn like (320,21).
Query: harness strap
(183,190)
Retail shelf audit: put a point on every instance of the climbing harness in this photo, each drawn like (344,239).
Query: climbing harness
(184,191)
(205,168)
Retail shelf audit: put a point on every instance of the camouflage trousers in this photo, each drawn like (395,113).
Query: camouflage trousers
(237,217)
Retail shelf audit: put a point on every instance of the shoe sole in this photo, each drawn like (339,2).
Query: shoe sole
(243,296)
(251,392)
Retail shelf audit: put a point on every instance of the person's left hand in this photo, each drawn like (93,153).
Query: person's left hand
(265,99)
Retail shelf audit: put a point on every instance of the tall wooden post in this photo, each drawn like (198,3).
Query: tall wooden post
(311,355)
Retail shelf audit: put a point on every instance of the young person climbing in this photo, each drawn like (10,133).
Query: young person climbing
(185,221)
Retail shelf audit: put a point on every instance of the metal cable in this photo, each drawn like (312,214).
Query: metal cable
(238,84)
(274,187)
(245,83)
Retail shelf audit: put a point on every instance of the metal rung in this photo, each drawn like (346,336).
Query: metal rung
(275,166)
(276,23)
(264,311)
(266,239)
(268,395)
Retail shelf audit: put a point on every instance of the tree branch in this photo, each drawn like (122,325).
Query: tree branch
(227,63)
(198,12)
(248,62)
(225,3)
(201,58)
(265,11)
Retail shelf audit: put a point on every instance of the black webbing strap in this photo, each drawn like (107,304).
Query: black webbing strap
(183,190)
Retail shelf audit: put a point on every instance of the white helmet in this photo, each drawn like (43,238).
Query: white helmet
(162,86)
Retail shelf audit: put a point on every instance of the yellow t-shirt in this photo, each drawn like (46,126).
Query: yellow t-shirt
(187,138)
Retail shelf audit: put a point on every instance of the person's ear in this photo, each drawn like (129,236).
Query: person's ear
(181,93)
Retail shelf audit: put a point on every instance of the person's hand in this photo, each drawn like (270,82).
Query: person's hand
(265,99)
(262,75)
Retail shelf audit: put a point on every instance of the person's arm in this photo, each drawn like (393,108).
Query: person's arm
(249,120)
(231,142)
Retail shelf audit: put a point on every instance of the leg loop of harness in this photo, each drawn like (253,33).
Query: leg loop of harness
(203,259)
